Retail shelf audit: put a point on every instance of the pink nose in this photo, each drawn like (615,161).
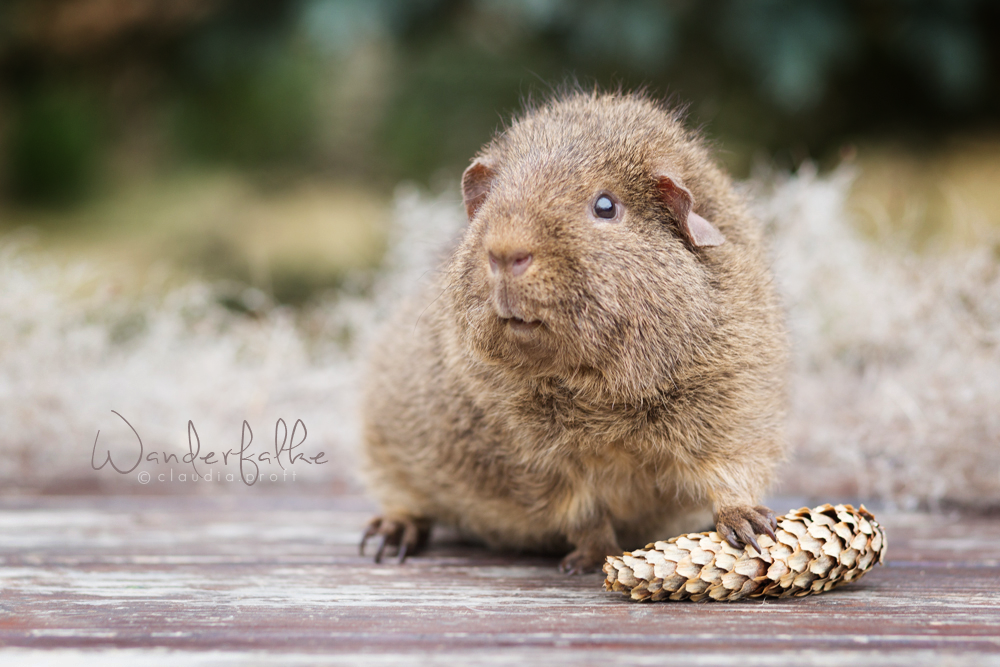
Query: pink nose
(516,261)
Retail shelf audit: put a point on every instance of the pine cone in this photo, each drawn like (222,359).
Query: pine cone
(816,550)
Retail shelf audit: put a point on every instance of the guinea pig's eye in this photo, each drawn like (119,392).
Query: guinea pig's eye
(605,207)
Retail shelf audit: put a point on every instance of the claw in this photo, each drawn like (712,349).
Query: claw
(567,569)
(740,525)
(406,535)
(410,539)
(381,547)
(370,532)
(770,533)
(580,561)
(771,521)
(729,536)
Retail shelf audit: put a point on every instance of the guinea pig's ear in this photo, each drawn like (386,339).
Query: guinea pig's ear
(476,182)
(699,231)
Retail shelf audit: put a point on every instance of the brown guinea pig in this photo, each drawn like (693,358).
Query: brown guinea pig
(601,363)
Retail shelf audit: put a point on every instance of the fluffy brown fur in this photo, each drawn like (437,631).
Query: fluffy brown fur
(579,383)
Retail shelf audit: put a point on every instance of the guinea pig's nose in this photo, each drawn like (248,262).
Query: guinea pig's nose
(516,261)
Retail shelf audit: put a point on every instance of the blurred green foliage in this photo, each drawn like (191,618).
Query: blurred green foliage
(388,89)
(53,146)
(427,125)
(259,113)
(246,96)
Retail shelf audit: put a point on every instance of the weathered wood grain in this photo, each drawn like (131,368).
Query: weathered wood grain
(167,580)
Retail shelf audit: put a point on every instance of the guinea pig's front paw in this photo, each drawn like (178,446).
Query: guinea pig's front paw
(739,524)
(408,535)
(582,561)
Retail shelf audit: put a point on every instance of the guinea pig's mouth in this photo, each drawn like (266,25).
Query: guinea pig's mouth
(518,325)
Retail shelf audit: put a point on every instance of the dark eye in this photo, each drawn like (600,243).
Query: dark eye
(604,207)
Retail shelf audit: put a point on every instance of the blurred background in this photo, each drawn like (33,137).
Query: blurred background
(181,175)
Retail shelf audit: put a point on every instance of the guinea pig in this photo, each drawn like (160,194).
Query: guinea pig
(600,362)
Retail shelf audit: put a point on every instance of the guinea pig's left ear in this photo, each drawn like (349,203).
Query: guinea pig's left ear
(699,231)
(476,183)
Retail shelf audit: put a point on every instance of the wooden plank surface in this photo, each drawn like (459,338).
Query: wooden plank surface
(278,581)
